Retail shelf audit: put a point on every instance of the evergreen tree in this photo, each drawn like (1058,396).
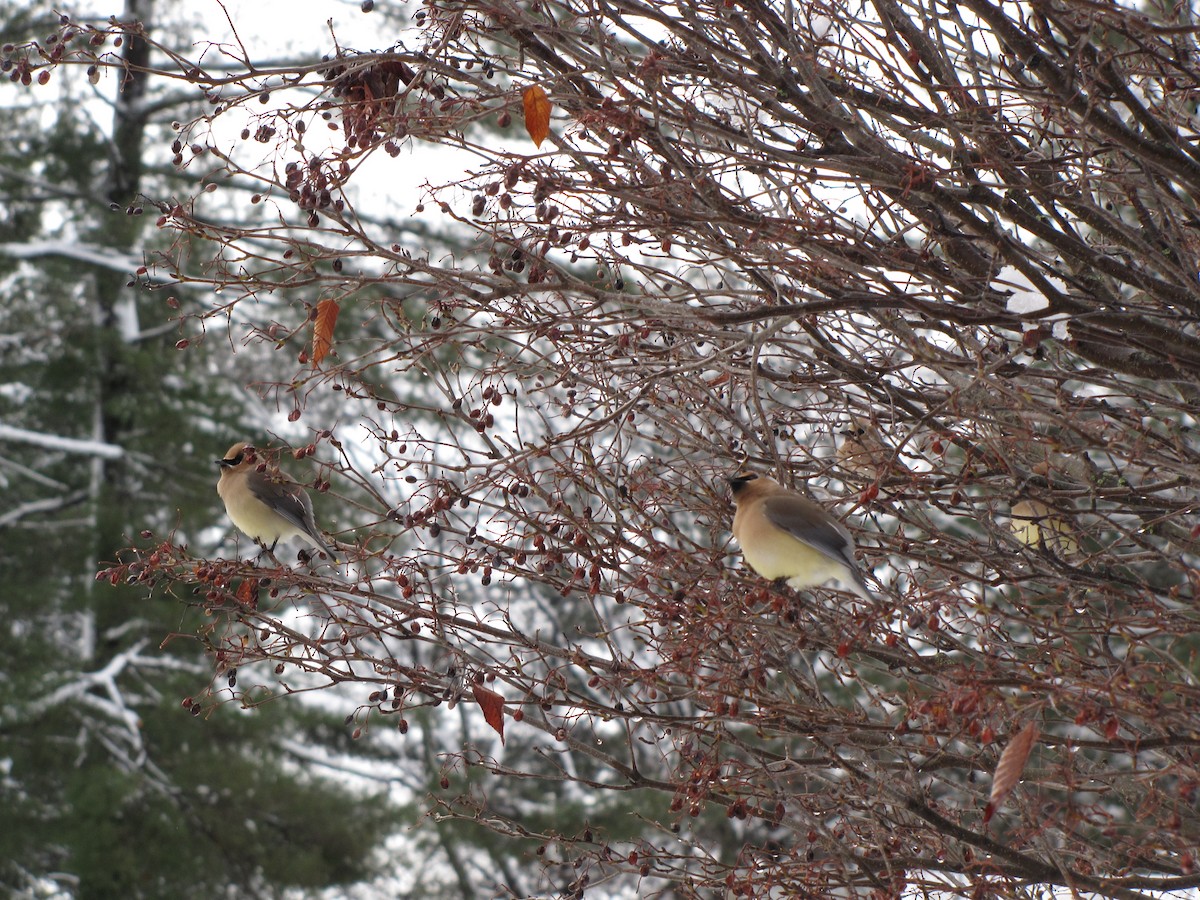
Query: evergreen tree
(112,787)
(938,259)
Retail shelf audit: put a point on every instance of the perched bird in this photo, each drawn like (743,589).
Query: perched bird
(1035,524)
(784,535)
(865,453)
(267,506)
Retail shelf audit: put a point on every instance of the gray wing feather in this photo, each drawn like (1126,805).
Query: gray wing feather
(287,498)
(809,523)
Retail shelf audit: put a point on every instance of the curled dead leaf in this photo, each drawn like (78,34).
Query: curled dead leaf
(537,113)
(1009,768)
(327,314)
(247,594)
(492,705)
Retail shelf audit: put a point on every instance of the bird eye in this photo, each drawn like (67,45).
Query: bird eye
(237,460)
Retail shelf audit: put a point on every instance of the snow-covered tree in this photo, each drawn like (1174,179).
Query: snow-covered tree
(110,786)
(937,260)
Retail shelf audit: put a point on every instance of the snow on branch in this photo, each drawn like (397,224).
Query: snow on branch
(57,442)
(35,507)
(93,254)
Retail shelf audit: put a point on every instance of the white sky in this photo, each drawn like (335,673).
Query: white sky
(269,27)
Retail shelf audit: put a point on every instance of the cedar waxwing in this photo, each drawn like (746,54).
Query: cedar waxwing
(785,535)
(267,506)
(1035,524)
(865,453)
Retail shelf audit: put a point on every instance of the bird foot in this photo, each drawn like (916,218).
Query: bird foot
(264,550)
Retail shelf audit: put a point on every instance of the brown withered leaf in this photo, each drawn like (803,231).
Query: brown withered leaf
(247,593)
(327,313)
(537,113)
(1009,769)
(492,705)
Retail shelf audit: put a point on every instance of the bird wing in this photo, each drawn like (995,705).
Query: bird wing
(795,516)
(284,496)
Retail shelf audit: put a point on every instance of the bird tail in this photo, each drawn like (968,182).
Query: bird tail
(320,544)
(859,586)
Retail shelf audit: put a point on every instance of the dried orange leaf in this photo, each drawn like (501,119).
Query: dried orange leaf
(1009,769)
(492,705)
(537,114)
(247,594)
(327,313)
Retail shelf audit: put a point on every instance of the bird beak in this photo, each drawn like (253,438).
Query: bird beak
(224,463)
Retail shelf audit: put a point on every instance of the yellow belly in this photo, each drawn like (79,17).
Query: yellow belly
(785,557)
(254,518)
